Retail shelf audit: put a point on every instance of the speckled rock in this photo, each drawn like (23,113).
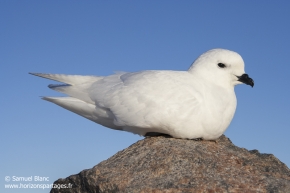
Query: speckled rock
(159,164)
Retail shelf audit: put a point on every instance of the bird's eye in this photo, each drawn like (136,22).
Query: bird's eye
(221,65)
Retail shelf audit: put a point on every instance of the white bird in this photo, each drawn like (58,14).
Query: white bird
(197,103)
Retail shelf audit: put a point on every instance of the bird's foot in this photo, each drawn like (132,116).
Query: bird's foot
(201,139)
(155,134)
(197,139)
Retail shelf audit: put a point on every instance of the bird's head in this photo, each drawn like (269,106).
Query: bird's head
(222,67)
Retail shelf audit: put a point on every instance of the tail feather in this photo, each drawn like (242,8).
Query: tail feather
(89,111)
(75,85)
(79,102)
(79,91)
(53,86)
(68,79)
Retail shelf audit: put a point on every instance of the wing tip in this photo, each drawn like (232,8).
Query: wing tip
(55,77)
(43,75)
(46,98)
(34,73)
(52,99)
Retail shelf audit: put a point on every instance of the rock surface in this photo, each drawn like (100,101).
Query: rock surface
(159,164)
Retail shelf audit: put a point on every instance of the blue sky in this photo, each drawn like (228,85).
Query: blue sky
(100,37)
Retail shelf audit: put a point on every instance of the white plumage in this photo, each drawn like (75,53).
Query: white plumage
(198,103)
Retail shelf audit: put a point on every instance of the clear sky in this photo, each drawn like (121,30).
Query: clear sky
(99,37)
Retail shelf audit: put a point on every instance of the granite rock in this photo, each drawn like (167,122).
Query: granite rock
(160,164)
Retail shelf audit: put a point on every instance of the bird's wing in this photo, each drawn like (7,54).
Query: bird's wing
(75,85)
(148,98)
(68,79)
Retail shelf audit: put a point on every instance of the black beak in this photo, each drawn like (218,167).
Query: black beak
(246,79)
